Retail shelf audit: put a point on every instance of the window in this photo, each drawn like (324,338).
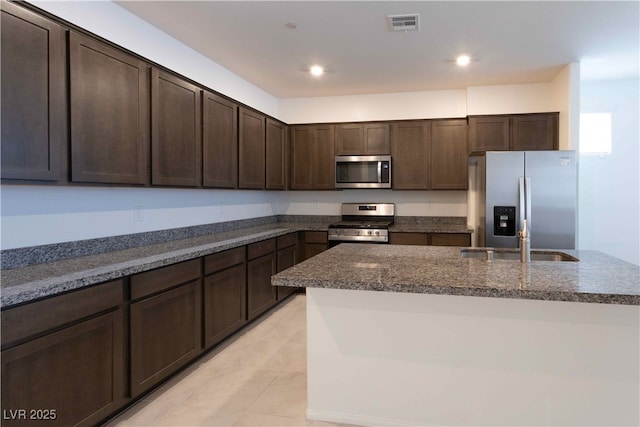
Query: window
(595,133)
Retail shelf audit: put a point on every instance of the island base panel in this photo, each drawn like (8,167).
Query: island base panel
(382,358)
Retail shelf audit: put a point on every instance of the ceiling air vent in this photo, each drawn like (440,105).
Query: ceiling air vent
(410,22)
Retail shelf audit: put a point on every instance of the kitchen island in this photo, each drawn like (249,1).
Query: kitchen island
(409,335)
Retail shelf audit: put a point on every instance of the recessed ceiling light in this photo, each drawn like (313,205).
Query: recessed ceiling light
(316,70)
(463,60)
(291,26)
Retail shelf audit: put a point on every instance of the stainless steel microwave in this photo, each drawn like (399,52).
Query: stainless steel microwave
(363,171)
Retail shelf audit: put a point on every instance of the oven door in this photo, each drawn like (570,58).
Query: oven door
(363,171)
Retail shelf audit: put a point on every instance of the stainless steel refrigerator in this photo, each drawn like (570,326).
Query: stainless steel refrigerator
(539,186)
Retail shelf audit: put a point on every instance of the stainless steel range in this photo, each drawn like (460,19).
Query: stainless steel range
(363,222)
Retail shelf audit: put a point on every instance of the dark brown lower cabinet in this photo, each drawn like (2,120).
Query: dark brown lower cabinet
(260,267)
(433,239)
(409,238)
(68,366)
(286,257)
(165,327)
(224,295)
(450,239)
(315,242)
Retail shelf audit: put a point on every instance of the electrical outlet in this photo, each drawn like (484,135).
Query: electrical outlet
(137,214)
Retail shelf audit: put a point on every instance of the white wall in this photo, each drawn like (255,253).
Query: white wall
(609,185)
(388,106)
(37,215)
(408,203)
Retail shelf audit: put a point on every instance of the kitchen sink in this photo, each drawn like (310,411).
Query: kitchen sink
(500,254)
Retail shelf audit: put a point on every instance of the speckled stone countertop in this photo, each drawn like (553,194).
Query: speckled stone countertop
(20,285)
(596,278)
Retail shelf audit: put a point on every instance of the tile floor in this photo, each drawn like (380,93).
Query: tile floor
(257,378)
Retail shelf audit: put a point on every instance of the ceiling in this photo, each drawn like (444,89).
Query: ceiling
(509,42)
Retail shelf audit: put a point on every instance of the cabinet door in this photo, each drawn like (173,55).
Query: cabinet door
(313,249)
(276,156)
(489,133)
(165,334)
(324,163)
(315,242)
(109,114)
(449,169)
(302,150)
(176,145)
(225,303)
(261,295)
(251,150)
(357,139)
(285,258)
(535,132)
(376,138)
(410,155)
(75,372)
(219,142)
(349,139)
(34,129)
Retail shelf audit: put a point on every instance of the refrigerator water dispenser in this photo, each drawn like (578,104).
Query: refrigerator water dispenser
(504,220)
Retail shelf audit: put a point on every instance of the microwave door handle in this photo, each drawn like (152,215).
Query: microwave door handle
(379,171)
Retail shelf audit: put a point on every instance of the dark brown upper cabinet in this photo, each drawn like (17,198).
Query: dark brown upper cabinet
(429,155)
(353,139)
(110,106)
(312,157)
(219,142)
(277,162)
(489,133)
(176,138)
(449,169)
(410,154)
(251,150)
(34,117)
(537,131)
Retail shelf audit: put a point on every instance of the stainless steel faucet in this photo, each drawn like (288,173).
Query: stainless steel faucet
(525,243)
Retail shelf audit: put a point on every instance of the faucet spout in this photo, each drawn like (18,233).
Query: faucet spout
(525,243)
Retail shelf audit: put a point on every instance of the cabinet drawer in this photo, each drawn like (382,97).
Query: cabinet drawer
(315,237)
(259,249)
(287,240)
(409,238)
(35,318)
(451,239)
(153,281)
(222,260)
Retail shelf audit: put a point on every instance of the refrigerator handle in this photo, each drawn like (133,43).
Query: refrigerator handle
(527,189)
(521,204)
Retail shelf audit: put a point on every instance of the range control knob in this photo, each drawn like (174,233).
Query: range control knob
(369,233)
(377,233)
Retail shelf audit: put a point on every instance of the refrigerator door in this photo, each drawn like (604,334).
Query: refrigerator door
(553,198)
(502,172)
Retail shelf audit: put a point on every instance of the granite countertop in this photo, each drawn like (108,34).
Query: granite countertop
(23,284)
(596,278)
(73,265)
